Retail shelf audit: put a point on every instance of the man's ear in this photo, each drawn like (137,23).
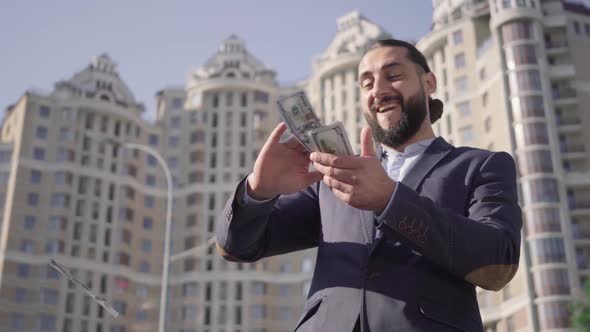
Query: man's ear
(429,81)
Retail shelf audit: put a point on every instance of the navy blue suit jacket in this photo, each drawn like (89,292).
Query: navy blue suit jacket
(453,223)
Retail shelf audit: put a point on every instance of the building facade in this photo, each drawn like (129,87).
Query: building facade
(512,77)
(72,193)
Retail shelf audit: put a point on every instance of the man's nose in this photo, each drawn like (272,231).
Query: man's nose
(380,88)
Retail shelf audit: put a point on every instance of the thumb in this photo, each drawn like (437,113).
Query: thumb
(367,148)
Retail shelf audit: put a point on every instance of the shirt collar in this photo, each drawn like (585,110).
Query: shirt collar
(410,150)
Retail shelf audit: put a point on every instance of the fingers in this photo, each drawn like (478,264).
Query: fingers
(337,185)
(293,143)
(275,135)
(367,147)
(340,174)
(312,177)
(327,159)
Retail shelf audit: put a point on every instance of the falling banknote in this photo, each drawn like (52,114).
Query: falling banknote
(305,125)
(98,299)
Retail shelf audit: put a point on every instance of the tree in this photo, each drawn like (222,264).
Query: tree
(581,310)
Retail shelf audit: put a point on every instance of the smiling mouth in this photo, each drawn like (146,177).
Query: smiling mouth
(386,107)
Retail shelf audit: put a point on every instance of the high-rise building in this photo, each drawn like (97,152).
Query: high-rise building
(73,191)
(513,77)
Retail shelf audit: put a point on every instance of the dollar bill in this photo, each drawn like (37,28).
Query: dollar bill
(98,299)
(332,139)
(299,116)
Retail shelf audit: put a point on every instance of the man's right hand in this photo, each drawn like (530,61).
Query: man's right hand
(281,168)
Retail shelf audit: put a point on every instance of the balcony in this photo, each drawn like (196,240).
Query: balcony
(561,71)
(554,47)
(580,209)
(564,96)
(477,8)
(568,124)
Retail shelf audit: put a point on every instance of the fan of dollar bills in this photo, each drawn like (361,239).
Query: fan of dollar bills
(305,125)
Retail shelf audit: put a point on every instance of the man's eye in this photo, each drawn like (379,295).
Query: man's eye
(394,77)
(366,84)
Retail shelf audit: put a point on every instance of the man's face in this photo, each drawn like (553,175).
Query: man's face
(393,95)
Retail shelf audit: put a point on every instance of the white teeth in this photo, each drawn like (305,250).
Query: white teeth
(387,106)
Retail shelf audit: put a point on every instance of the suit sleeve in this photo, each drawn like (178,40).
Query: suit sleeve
(251,231)
(482,246)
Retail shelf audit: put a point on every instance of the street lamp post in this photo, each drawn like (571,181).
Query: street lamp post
(166,258)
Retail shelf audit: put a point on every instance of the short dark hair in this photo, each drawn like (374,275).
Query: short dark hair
(414,55)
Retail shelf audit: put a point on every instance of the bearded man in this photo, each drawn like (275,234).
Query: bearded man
(405,233)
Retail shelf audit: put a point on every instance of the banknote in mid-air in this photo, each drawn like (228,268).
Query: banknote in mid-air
(98,299)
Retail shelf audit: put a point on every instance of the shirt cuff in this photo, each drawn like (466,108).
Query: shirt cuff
(246,199)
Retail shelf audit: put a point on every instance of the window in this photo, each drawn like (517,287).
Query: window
(244,99)
(5,156)
(35,176)
(258,288)
(26,246)
(39,154)
(458,37)
(153,140)
(173,141)
(177,103)
(30,222)
(189,312)
(540,190)
(59,200)
(150,180)
(66,134)
(577,29)
(49,296)
(482,74)
(24,270)
(197,136)
(190,289)
(120,306)
(41,132)
(261,96)
(464,109)
(149,201)
(517,30)
(460,60)
(62,178)
(17,321)
(461,85)
(144,267)
(20,295)
(33,199)
(146,245)
(44,111)
(258,311)
(148,223)
(466,134)
(487,124)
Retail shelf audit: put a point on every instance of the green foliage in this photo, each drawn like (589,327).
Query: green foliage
(581,311)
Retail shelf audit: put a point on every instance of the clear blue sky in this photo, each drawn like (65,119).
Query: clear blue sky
(157,43)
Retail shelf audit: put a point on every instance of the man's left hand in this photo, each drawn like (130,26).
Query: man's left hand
(359,181)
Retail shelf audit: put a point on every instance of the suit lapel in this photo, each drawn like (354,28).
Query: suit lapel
(426,162)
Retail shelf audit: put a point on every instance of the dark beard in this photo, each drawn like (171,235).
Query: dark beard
(413,114)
